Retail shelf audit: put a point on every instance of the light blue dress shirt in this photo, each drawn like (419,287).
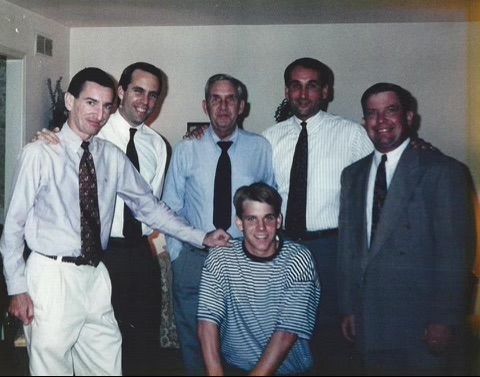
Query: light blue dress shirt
(191,175)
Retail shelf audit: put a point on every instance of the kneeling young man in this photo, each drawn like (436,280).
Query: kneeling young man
(258,299)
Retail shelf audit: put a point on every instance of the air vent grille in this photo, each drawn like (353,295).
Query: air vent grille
(44,45)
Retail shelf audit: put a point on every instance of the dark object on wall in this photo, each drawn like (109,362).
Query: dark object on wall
(58,109)
(283,111)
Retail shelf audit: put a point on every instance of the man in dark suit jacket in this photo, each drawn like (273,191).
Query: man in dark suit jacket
(403,293)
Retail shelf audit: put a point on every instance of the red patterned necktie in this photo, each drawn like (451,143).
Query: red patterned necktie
(379,194)
(89,213)
(295,217)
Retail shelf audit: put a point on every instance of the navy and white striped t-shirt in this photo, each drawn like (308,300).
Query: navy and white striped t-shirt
(251,299)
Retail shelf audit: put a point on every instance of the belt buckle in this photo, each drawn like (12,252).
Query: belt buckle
(80,261)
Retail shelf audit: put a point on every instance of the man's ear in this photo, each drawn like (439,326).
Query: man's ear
(205,107)
(363,123)
(325,92)
(410,117)
(120,93)
(279,221)
(239,223)
(241,107)
(69,98)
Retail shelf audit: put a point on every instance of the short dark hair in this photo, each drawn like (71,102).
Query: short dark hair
(239,86)
(92,74)
(126,77)
(257,192)
(326,74)
(405,97)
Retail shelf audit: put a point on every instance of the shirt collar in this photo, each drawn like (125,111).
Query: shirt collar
(216,139)
(310,121)
(122,125)
(392,156)
(72,140)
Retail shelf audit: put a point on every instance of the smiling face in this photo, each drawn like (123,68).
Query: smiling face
(259,225)
(90,111)
(387,123)
(223,108)
(305,92)
(137,103)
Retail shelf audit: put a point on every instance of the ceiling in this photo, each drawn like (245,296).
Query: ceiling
(108,13)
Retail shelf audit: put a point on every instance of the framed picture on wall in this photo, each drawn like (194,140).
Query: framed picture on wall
(194,125)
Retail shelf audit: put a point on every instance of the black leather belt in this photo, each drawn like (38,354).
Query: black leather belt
(78,261)
(314,235)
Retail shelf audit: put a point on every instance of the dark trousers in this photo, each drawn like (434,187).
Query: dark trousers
(333,355)
(136,299)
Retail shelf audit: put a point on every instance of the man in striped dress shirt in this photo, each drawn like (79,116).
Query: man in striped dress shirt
(258,299)
(333,144)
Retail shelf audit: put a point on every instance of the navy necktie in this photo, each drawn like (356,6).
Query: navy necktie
(132,228)
(91,245)
(379,194)
(222,194)
(295,217)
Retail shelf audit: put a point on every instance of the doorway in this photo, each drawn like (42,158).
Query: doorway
(12,119)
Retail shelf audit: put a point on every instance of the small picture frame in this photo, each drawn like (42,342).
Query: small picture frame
(194,125)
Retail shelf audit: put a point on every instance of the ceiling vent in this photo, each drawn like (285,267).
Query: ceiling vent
(44,45)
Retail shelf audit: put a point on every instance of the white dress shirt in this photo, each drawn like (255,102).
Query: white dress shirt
(44,209)
(390,165)
(152,157)
(333,144)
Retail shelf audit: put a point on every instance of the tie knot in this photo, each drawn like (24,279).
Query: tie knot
(384,158)
(85,145)
(303,124)
(225,145)
(132,132)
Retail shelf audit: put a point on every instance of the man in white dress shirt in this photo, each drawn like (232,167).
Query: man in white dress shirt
(134,270)
(333,144)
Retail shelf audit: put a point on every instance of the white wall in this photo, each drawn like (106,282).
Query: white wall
(429,59)
(17,35)
(28,100)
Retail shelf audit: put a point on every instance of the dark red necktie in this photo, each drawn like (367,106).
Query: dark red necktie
(379,194)
(89,213)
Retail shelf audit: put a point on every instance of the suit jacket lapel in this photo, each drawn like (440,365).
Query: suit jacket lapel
(360,202)
(403,183)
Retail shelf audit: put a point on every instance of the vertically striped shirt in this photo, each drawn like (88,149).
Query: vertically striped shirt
(333,144)
(250,299)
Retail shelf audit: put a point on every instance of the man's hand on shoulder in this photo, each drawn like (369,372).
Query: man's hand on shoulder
(419,143)
(196,133)
(217,238)
(47,136)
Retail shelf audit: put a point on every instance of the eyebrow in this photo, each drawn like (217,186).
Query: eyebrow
(144,90)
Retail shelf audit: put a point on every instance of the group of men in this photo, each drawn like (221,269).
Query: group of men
(295,291)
